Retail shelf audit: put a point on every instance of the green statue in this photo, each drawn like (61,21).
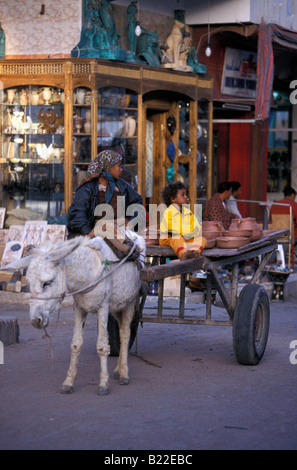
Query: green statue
(131,25)
(148,48)
(99,37)
(105,12)
(2,43)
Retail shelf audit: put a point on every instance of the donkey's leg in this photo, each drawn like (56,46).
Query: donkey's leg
(122,371)
(76,346)
(103,349)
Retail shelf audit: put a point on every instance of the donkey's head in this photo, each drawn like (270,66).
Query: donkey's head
(46,275)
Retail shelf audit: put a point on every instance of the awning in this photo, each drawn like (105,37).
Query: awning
(265,63)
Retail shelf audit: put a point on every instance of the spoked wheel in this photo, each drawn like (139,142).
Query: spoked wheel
(251,324)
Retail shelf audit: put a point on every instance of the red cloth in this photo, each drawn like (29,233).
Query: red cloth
(268,34)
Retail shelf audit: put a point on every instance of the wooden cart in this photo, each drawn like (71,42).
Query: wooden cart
(249,313)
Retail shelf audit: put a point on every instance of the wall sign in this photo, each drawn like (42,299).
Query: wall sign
(240,73)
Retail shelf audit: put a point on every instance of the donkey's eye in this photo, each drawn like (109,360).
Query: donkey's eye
(46,284)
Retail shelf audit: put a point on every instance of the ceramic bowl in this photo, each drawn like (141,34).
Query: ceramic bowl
(211,225)
(211,243)
(232,242)
(210,235)
(238,233)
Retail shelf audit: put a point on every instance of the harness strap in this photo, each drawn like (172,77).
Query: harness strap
(90,287)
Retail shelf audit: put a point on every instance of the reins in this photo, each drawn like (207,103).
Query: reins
(90,287)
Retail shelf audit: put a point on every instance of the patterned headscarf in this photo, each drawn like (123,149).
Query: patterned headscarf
(103,162)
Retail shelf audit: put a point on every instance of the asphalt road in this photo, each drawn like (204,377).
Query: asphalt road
(186,391)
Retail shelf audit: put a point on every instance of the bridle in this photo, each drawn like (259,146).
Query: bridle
(89,287)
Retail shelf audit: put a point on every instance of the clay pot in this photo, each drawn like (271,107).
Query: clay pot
(238,233)
(249,223)
(231,242)
(212,226)
(210,235)
(211,243)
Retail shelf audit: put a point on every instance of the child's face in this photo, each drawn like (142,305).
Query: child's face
(180,198)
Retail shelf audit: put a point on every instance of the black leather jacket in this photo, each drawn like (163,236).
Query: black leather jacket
(81,212)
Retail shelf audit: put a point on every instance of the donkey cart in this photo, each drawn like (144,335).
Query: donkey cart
(249,312)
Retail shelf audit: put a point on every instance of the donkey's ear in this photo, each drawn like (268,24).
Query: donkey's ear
(66,249)
(18,264)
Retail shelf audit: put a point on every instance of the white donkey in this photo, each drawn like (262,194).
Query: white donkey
(84,268)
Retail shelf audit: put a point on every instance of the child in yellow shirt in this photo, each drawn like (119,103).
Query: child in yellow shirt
(179,228)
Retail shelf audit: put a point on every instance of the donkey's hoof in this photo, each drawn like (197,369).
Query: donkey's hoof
(66,389)
(124,380)
(116,375)
(103,390)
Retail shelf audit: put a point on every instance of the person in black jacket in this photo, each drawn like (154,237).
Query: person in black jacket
(102,186)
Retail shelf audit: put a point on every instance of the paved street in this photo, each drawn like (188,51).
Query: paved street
(186,390)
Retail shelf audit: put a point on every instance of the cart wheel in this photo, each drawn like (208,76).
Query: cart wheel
(114,334)
(251,324)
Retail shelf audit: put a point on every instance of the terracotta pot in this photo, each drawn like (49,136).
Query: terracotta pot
(212,226)
(211,243)
(209,235)
(238,233)
(232,242)
(249,223)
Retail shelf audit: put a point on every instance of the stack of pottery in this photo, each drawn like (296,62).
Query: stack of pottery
(211,230)
(248,223)
(231,242)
